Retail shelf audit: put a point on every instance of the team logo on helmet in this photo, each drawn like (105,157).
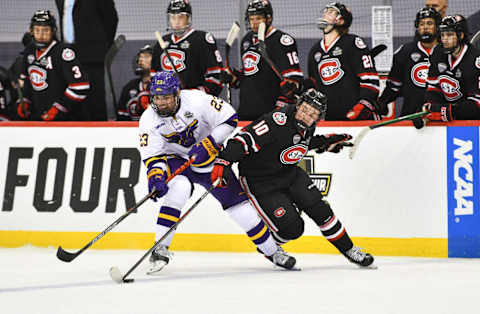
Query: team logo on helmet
(178,58)
(250,62)
(293,154)
(330,71)
(279,118)
(450,87)
(286,40)
(419,74)
(279,212)
(68,54)
(360,43)
(38,78)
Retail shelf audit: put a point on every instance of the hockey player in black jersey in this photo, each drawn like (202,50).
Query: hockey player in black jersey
(55,83)
(409,71)
(135,96)
(453,83)
(268,151)
(340,65)
(260,89)
(194,52)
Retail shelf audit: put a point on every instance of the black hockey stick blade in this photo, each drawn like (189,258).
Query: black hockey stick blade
(66,256)
(377,50)
(117,276)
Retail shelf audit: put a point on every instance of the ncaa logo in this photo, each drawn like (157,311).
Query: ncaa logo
(450,87)
(250,62)
(38,78)
(293,154)
(330,71)
(419,74)
(178,58)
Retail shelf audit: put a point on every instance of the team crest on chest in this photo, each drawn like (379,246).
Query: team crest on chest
(38,78)
(330,71)
(250,62)
(293,154)
(450,87)
(419,74)
(178,58)
(279,118)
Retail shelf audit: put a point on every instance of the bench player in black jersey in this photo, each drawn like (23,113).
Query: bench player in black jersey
(268,151)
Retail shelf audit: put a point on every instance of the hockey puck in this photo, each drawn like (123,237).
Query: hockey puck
(128,280)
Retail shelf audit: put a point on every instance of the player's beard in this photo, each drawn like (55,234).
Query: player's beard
(425,38)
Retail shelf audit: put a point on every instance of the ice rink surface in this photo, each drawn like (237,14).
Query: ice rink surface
(33,280)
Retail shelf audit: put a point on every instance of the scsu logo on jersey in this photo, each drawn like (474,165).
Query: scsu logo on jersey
(178,58)
(330,71)
(419,74)
(293,154)
(38,78)
(450,87)
(250,62)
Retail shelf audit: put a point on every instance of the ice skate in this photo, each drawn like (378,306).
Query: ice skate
(362,259)
(282,259)
(160,257)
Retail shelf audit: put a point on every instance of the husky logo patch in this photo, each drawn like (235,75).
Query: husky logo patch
(330,71)
(293,154)
(68,54)
(286,40)
(250,62)
(279,118)
(279,212)
(360,43)
(419,74)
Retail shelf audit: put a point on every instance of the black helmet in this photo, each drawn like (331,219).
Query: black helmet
(315,99)
(179,7)
(138,69)
(258,7)
(427,12)
(343,11)
(43,18)
(458,24)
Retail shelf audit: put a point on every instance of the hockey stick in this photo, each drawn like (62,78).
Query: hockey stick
(475,38)
(164,46)
(263,50)
(232,35)
(68,256)
(111,53)
(377,50)
(364,131)
(115,272)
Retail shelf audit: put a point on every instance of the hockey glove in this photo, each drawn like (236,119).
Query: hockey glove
(289,87)
(23,110)
(330,142)
(382,108)
(156,181)
(439,112)
(144,100)
(56,112)
(221,169)
(230,76)
(205,152)
(363,110)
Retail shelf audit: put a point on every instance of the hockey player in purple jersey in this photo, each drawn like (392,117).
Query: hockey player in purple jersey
(176,126)
(453,83)
(55,83)
(409,71)
(193,52)
(340,65)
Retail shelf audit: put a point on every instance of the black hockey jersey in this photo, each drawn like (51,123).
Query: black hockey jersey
(408,77)
(133,100)
(3,102)
(259,86)
(456,81)
(196,58)
(345,72)
(271,145)
(54,76)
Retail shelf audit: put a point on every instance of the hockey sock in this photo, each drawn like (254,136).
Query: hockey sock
(246,217)
(335,232)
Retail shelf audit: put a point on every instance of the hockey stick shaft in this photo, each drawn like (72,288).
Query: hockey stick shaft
(232,35)
(174,227)
(378,50)
(112,52)
(68,256)
(164,46)
(263,50)
(475,38)
(364,131)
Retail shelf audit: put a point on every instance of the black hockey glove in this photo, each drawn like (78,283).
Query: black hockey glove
(221,169)
(230,76)
(289,87)
(330,142)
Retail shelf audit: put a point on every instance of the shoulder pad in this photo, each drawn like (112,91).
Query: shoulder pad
(287,40)
(279,117)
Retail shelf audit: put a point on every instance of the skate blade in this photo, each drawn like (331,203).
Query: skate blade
(372,266)
(156,268)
